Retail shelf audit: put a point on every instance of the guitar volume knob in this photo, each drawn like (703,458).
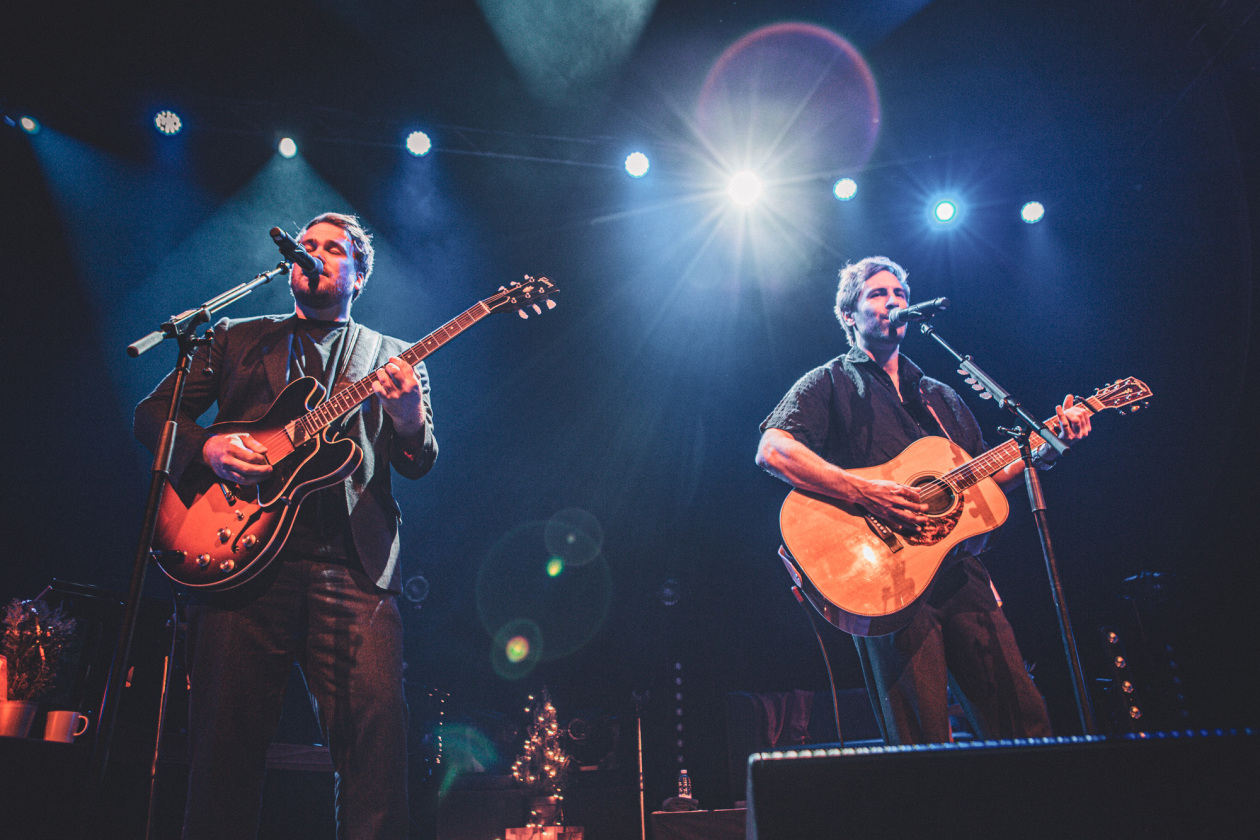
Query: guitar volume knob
(203,560)
(249,541)
(224,535)
(227,565)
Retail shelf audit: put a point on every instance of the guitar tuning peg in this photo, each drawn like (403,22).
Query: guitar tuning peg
(970,382)
(986,395)
(524,315)
(551,304)
(537,309)
(962,371)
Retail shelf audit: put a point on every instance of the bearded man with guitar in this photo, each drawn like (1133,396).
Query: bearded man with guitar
(327,602)
(864,409)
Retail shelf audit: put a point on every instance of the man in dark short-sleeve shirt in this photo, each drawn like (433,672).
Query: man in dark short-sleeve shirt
(863,409)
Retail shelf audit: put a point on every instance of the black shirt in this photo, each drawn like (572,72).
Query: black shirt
(848,412)
(322,527)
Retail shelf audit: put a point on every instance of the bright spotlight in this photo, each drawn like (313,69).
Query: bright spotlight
(637,164)
(1032,212)
(419,144)
(745,188)
(29,125)
(845,189)
(945,211)
(167,122)
(287,147)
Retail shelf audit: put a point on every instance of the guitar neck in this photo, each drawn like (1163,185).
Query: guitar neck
(999,457)
(348,398)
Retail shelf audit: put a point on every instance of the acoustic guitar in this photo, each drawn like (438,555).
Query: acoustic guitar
(864,575)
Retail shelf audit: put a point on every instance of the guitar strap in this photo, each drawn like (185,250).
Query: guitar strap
(935,416)
(352,347)
(345,365)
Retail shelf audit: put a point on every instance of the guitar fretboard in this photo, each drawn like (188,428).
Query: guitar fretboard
(344,401)
(998,457)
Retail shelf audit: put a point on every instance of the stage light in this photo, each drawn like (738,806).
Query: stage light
(1032,212)
(845,189)
(419,144)
(945,211)
(168,122)
(637,164)
(745,188)
(287,147)
(29,125)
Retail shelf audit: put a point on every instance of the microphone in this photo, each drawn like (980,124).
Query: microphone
(918,312)
(295,253)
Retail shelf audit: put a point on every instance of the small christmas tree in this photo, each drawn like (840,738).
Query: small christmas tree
(35,641)
(543,767)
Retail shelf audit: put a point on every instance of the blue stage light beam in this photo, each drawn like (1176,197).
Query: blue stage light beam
(561,48)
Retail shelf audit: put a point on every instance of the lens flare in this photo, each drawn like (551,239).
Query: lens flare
(516,649)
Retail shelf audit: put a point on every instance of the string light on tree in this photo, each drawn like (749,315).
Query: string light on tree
(543,767)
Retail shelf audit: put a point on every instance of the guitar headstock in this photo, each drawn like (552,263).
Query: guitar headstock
(522,295)
(1124,395)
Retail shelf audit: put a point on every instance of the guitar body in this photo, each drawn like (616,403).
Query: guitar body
(872,575)
(214,534)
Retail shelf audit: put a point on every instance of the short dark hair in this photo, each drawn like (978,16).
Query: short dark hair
(360,240)
(852,277)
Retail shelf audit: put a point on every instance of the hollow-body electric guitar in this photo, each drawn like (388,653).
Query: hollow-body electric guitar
(866,576)
(214,534)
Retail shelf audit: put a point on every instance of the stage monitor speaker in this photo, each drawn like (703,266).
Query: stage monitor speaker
(1165,785)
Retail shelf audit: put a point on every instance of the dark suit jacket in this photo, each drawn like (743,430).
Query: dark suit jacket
(249,363)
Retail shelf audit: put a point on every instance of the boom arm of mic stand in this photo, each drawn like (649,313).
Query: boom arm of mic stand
(987,385)
(190,319)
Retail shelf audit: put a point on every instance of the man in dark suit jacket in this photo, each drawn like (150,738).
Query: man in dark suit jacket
(327,602)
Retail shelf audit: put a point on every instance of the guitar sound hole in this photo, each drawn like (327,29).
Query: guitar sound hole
(937,495)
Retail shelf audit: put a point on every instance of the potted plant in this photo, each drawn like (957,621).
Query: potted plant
(33,645)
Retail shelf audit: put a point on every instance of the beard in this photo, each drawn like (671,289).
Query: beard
(326,293)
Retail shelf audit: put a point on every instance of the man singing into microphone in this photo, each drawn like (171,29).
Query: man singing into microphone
(861,410)
(327,602)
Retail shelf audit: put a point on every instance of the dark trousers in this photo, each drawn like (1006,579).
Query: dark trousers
(346,636)
(959,631)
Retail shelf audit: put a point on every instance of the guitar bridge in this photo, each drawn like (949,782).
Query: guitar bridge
(883,532)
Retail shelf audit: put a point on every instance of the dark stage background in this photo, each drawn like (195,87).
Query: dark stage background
(637,401)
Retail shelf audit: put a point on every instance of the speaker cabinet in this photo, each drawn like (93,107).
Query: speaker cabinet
(1164,785)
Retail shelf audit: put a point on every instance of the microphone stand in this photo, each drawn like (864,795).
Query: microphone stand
(988,388)
(182,328)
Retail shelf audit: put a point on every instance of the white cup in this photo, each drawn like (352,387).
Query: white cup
(64,726)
